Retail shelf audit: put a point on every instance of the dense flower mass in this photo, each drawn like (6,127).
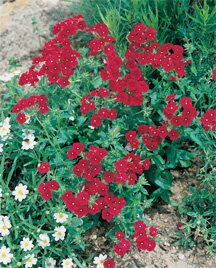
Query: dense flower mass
(122,247)
(58,59)
(37,101)
(95,180)
(47,188)
(88,168)
(143,241)
(208,120)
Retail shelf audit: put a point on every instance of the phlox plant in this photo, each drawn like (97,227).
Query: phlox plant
(87,142)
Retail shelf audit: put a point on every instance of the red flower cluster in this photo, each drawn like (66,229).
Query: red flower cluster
(88,168)
(107,203)
(76,149)
(44,167)
(129,89)
(29,77)
(37,101)
(127,169)
(123,245)
(152,136)
(143,241)
(58,59)
(89,105)
(208,120)
(188,111)
(131,137)
(68,27)
(46,189)
(142,48)
(103,113)
(98,44)
(113,63)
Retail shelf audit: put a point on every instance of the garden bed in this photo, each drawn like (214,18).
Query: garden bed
(24,42)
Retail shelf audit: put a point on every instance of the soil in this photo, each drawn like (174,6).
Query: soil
(18,39)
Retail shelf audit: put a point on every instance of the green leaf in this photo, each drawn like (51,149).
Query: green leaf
(76,222)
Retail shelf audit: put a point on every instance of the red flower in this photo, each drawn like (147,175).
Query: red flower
(71,154)
(46,189)
(150,244)
(130,135)
(81,211)
(179,225)
(119,235)
(44,109)
(42,188)
(146,164)
(52,185)
(141,243)
(139,226)
(83,198)
(176,120)
(186,102)
(103,113)
(67,196)
(122,247)
(112,114)
(170,109)
(109,176)
(95,121)
(173,134)
(106,215)
(43,167)
(153,231)
(109,264)
(47,195)
(208,120)
(145,244)
(78,147)
(21,118)
(121,177)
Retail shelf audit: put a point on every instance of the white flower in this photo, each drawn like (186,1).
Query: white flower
(5,225)
(28,143)
(0,193)
(60,217)
(31,260)
(67,263)
(44,240)
(27,119)
(15,72)
(5,127)
(6,77)
(100,260)
(50,263)
(72,118)
(1,147)
(26,244)
(9,75)
(6,221)
(5,255)
(20,192)
(59,233)
(91,127)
